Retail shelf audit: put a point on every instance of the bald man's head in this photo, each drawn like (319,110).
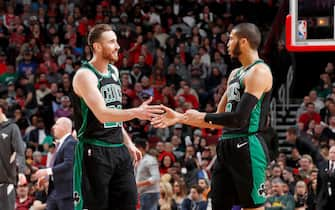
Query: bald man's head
(62,127)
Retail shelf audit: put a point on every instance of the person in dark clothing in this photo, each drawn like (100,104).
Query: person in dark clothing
(271,139)
(11,156)
(325,192)
(304,146)
(194,201)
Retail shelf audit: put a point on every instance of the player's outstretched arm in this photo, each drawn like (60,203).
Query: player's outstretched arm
(85,85)
(171,117)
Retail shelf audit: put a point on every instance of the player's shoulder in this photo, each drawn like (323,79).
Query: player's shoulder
(84,73)
(83,70)
(262,69)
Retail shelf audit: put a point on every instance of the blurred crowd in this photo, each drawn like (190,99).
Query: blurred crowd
(174,51)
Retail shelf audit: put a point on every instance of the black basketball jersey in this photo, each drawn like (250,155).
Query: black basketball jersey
(87,125)
(258,116)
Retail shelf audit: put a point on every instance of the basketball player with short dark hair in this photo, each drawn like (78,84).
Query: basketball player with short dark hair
(239,172)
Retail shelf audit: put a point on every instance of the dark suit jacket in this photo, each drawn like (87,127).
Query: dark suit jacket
(323,200)
(62,178)
(305,146)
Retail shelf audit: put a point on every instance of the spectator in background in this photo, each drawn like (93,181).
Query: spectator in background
(65,110)
(194,200)
(147,177)
(23,200)
(303,106)
(306,167)
(312,192)
(329,131)
(309,115)
(203,183)
(40,202)
(27,66)
(293,161)
(179,192)
(37,135)
(300,196)
(328,110)
(42,91)
(188,97)
(279,200)
(304,146)
(276,171)
(289,179)
(319,104)
(166,200)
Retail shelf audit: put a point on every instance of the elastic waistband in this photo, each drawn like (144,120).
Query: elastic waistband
(97,142)
(235,135)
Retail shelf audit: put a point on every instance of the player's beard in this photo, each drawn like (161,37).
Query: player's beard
(107,55)
(237,50)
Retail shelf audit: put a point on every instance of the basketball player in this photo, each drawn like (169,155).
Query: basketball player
(239,172)
(103,162)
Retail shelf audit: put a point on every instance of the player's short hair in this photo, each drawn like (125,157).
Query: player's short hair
(95,33)
(249,31)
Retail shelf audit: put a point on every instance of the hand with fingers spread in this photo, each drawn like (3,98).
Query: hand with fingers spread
(147,112)
(170,117)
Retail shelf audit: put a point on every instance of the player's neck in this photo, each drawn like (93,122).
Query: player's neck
(100,64)
(248,58)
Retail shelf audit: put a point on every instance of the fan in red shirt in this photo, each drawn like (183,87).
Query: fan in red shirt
(23,200)
(309,115)
(189,98)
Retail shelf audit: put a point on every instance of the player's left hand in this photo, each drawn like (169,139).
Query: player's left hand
(135,154)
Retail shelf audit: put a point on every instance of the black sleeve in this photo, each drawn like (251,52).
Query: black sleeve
(236,119)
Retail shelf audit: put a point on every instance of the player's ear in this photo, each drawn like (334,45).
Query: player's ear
(243,41)
(97,46)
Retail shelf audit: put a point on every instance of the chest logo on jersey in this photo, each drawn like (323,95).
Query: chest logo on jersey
(111,93)
(234,92)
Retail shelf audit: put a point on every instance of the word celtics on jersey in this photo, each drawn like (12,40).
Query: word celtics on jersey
(113,98)
(85,121)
